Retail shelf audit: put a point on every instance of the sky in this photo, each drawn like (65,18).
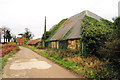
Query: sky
(20,14)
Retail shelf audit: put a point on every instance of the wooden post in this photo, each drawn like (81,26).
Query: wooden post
(57,44)
(82,48)
(43,43)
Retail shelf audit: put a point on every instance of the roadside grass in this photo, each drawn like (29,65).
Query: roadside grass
(90,67)
(7,50)
(5,58)
(73,67)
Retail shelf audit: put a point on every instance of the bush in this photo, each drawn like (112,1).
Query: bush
(7,48)
(111,49)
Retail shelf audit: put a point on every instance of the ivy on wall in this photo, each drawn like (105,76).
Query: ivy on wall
(66,35)
(94,33)
(63,44)
(50,33)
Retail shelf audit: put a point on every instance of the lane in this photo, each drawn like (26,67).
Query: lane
(28,64)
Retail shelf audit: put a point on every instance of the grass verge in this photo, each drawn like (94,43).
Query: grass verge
(73,67)
(4,59)
(90,67)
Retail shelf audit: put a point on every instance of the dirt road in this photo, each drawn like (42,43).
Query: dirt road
(28,64)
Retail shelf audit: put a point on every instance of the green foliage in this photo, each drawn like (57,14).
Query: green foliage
(45,29)
(108,23)
(94,34)
(117,27)
(47,35)
(66,35)
(111,49)
(50,33)
(27,34)
(26,40)
(39,45)
(8,35)
(99,38)
(57,58)
(63,44)
(5,58)
(48,44)
(89,67)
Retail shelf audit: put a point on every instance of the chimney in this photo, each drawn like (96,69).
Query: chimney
(119,9)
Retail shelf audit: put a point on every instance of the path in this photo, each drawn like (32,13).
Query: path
(28,64)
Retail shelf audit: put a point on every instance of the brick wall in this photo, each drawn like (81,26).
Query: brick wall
(74,44)
(20,41)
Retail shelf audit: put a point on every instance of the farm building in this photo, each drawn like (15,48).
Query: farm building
(68,35)
(20,41)
(33,42)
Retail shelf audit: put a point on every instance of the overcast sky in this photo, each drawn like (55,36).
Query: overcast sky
(20,14)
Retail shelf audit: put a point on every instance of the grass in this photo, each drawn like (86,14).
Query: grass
(5,58)
(73,67)
(90,67)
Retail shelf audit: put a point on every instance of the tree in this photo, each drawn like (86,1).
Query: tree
(8,35)
(21,35)
(44,35)
(27,34)
(14,38)
(4,33)
(0,34)
(45,29)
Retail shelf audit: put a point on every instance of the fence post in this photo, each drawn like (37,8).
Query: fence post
(57,44)
(82,47)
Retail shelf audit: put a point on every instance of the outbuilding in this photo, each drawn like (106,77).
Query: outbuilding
(68,35)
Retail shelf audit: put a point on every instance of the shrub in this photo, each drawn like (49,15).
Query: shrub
(7,48)
(111,49)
